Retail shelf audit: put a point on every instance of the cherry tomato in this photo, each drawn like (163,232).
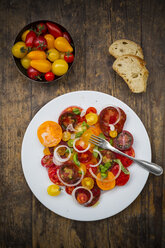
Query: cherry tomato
(87,182)
(126,161)
(47,161)
(66,136)
(66,36)
(40,43)
(41,28)
(113,133)
(123,141)
(53,54)
(33,73)
(53,190)
(36,55)
(42,65)
(25,62)
(69,57)
(82,198)
(23,37)
(49,76)
(54,29)
(19,50)
(91,110)
(50,40)
(91,118)
(62,45)
(52,173)
(85,157)
(69,190)
(62,55)
(59,67)
(30,38)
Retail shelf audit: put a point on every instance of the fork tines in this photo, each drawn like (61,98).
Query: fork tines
(95,140)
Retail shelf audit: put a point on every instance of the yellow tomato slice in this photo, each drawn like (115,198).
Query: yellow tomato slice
(91,118)
(87,182)
(49,133)
(103,184)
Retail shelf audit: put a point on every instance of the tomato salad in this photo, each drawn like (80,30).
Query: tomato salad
(72,162)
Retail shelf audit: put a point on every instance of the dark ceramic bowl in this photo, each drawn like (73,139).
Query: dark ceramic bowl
(21,69)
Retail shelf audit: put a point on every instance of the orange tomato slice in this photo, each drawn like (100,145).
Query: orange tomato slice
(49,133)
(104,184)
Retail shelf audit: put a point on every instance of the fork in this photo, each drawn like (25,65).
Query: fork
(151,167)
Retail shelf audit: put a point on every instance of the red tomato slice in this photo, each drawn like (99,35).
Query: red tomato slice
(96,195)
(69,190)
(47,161)
(126,161)
(123,178)
(52,173)
(110,115)
(88,174)
(82,195)
(85,157)
(91,110)
(123,141)
(67,118)
(69,173)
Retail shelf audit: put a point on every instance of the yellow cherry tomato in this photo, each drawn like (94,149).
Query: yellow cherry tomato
(91,118)
(53,54)
(41,65)
(87,182)
(36,55)
(62,45)
(113,134)
(19,50)
(62,55)
(54,190)
(23,37)
(66,136)
(59,67)
(50,40)
(46,151)
(25,62)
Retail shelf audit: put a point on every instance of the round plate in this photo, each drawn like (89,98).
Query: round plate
(111,202)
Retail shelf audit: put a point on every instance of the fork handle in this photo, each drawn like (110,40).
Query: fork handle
(151,167)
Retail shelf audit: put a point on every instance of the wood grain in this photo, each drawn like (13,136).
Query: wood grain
(94,25)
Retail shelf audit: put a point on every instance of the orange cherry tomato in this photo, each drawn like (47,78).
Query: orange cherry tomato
(50,41)
(88,182)
(49,133)
(62,45)
(104,185)
(36,55)
(42,65)
(23,37)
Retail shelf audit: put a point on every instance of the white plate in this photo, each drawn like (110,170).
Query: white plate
(111,202)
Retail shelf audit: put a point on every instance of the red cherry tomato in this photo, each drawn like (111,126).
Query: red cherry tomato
(40,43)
(85,157)
(126,161)
(69,57)
(52,173)
(66,36)
(124,140)
(33,73)
(91,110)
(30,38)
(49,76)
(47,161)
(41,28)
(69,190)
(54,29)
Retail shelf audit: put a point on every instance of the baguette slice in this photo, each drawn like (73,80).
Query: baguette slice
(123,47)
(132,69)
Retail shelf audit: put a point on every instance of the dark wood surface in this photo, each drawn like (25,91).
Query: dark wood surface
(94,25)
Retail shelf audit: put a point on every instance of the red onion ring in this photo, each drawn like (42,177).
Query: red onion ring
(67,184)
(81,187)
(70,128)
(82,151)
(58,158)
(95,165)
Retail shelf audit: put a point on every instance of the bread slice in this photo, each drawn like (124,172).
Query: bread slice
(123,47)
(132,69)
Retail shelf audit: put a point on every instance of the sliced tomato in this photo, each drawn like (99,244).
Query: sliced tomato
(69,173)
(94,169)
(96,195)
(71,108)
(82,195)
(52,173)
(85,157)
(110,115)
(67,118)
(91,110)
(47,161)
(123,178)
(51,149)
(123,141)
(126,161)
(108,156)
(69,190)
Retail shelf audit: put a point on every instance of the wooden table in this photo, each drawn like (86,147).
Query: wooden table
(94,25)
